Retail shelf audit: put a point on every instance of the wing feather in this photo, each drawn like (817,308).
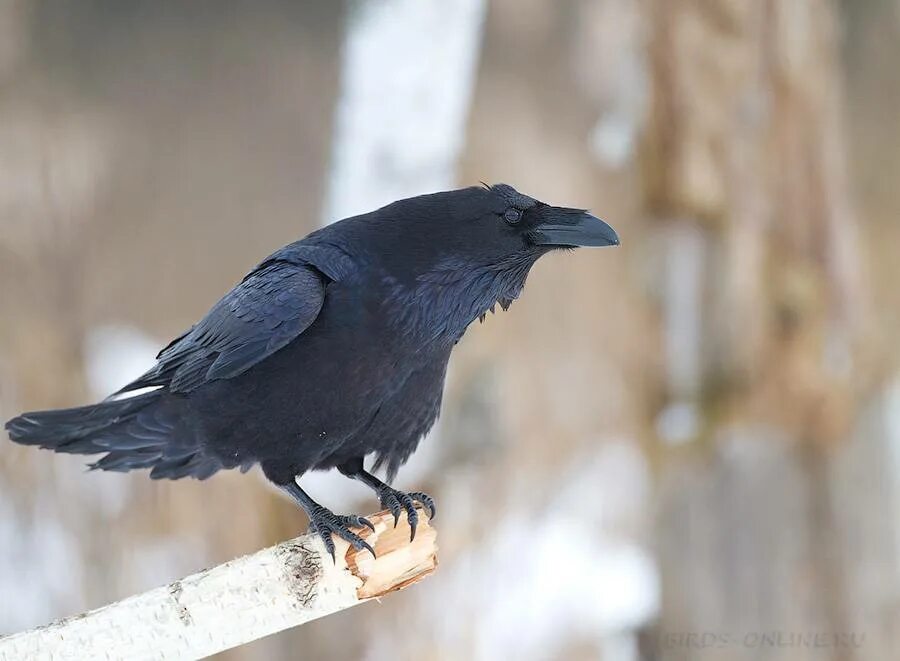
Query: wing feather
(272,306)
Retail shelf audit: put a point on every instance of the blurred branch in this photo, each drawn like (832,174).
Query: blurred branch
(239,601)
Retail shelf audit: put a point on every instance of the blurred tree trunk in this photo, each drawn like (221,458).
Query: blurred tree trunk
(762,317)
(403,102)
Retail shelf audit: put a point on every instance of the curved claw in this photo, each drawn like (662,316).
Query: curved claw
(359,543)
(356,521)
(395,501)
(390,502)
(326,524)
(412,517)
(426,501)
(325,536)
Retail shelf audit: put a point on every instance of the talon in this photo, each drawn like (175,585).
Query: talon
(359,522)
(426,501)
(368,548)
(359,543)
(325,524)
(412,517)
(329,544)
(394,501)
(389,501)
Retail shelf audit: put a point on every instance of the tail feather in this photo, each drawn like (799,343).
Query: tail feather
(137,432)
(55,429)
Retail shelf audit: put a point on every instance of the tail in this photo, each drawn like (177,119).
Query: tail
(137,432)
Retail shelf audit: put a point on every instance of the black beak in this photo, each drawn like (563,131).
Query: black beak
(574,228)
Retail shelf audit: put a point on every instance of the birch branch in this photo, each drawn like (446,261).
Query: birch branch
(240,601)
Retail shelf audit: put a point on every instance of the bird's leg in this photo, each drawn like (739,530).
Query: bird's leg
(324,522)
(391,498)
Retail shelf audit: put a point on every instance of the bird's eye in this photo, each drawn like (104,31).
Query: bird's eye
(512,216)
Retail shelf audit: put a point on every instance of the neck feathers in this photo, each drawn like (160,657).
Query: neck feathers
(440,304)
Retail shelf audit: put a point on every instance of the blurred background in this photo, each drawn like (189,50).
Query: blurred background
(686,447)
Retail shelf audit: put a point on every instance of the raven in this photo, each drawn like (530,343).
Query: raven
(333,348)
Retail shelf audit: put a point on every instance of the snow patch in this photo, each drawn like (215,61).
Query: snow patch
(115,355)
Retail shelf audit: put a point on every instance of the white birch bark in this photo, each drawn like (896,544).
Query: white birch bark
(240,601)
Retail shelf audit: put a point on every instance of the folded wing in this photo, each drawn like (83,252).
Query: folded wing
(273,305)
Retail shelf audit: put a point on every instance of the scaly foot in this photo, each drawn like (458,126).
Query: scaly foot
(325,523)
(397,501)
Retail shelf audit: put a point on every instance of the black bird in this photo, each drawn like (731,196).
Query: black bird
(333,348)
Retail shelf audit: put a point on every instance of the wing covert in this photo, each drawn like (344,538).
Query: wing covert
(273,305)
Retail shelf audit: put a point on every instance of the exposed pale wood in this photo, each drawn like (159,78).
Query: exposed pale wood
(239,601)
(745,173)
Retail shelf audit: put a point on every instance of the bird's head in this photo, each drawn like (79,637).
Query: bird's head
(473,247)
(484,227)
(527,224)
